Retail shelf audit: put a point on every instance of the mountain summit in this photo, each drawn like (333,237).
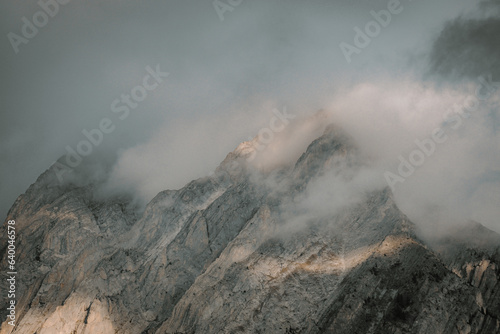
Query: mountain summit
(300,248)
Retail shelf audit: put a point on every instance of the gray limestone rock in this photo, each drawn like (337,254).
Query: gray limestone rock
(237,252)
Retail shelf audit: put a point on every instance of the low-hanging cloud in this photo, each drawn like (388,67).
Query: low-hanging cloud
(222,77)
(181,151)
(450,187)
(386,115)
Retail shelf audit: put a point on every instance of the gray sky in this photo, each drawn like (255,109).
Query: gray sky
(224,76)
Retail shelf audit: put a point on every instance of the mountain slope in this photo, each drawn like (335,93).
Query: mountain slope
(239,251)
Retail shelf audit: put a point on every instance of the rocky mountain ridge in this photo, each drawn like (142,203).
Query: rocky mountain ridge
(237,252)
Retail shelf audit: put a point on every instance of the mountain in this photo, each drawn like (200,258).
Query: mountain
(246,251)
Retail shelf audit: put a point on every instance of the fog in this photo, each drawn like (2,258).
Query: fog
(454,179)
(227,77)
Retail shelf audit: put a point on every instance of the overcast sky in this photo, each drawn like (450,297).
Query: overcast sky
(225,76)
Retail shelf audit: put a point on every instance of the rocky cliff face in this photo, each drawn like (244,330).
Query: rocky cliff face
(237,252)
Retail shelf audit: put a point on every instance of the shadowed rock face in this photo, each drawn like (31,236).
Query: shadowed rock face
(237,253)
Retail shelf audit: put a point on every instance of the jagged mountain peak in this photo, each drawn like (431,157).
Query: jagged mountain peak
(243,251)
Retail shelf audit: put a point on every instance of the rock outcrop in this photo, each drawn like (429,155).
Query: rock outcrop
(238,252)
